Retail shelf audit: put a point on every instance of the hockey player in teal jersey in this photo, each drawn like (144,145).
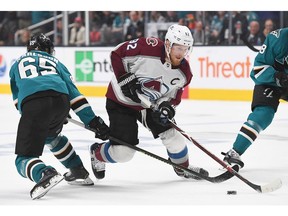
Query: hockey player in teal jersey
(270,74)
(44,93)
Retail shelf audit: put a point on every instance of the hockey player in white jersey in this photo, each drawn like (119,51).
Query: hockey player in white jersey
(160,71)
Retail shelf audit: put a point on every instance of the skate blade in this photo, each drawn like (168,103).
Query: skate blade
(40,192)
(82,182)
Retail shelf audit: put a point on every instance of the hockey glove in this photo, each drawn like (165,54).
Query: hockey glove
(164,112)
(130,85)
(281,79)
(102,130)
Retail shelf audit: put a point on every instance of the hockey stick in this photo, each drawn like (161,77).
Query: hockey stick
(249,45)
(216,179)
(276,184)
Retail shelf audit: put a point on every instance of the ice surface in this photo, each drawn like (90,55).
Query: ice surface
(144,184)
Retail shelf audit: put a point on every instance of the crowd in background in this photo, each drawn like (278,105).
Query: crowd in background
(109,28)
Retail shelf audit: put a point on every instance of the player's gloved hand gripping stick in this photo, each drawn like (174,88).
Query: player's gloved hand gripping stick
(276,184)
(164,112)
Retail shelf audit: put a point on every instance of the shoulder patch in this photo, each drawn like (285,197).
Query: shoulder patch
(276,33)
(152,41)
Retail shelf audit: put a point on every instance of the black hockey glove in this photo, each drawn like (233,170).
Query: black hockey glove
(164,112)
(66,121)
(281,79)
(102,130)
(130,85)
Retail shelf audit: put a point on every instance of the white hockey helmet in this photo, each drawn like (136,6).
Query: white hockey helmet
(179,34)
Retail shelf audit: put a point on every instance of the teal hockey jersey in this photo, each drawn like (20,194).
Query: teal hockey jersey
(37,71)
(272,57)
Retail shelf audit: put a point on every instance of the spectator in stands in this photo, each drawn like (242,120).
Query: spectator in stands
(255,36)
(182,14)
(274,15)
(268,26)
(182,21)
(199,34)
(156,17)
(252,16)
(2,38)
(22,37)
(39,16)
(96,17)
(95,35)
(8,28)
(2,18)
(59,32)
(106,27)
(121,19)
(141,15)
(239,27)
(238,19)
(238,34)
(191,22)
(24,19)
(77,33)
(216,27)
(136,27)
(171,16)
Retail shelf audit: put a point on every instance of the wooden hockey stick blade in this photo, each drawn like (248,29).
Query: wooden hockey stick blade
(216,179)
(270,187)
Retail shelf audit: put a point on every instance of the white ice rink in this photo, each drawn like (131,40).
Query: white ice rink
(145,184)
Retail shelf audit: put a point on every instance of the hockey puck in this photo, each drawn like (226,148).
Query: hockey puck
(231,192)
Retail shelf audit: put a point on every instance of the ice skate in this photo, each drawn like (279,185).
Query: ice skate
(232,157)
(98,167)
(49,179)
(189,175)
(78,176)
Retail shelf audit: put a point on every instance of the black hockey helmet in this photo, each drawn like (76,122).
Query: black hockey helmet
(40,42)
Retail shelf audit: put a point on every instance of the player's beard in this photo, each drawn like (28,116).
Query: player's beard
(175,61)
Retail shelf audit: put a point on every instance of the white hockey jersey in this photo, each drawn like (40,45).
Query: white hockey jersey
(145,57)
